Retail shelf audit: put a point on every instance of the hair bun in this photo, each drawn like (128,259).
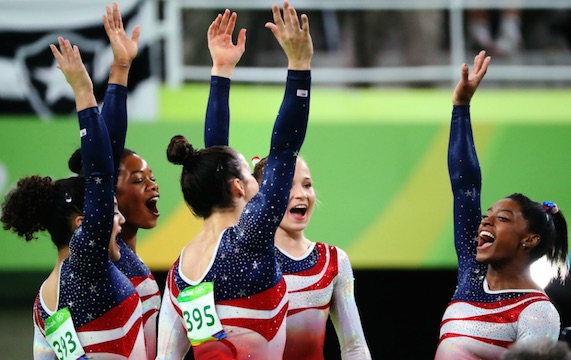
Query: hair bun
(179,151)
(75,162)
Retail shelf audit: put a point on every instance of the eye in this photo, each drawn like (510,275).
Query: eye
(484,216)
(503,218)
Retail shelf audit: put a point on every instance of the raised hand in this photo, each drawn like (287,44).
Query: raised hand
(295,41)
(469,82)
(70,63)
(125,49)
(225,55)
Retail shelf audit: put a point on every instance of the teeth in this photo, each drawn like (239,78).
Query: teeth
(487,234)
(300,207)
(153,199)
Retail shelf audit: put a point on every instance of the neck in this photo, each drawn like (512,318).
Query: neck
(220,220)
(505,278)
(129,236)
(62,254)
(293,242)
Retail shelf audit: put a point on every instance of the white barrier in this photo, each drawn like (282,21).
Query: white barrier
(177,72)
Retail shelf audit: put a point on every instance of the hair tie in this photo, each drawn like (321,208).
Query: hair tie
(68,198)
(255,160)
(550,207)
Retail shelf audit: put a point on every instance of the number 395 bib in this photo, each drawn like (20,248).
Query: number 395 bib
(199,313)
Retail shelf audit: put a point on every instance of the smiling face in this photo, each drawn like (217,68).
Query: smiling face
(502,232)
(137,193)
(301,200)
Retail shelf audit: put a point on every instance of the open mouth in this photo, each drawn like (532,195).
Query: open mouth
(485,237)
(298,211)
(151,204)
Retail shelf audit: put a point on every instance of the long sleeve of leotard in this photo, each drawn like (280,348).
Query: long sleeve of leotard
(345,314)
(99,202)
(217,121)
(42,349)
(466,182)
(114,113)
(172,342)
(287,138)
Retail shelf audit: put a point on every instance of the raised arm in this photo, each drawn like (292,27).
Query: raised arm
(95,151)
(225,56)
(463,165)
(291,123)
(125,49)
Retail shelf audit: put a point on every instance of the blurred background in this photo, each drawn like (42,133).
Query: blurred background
(383,75)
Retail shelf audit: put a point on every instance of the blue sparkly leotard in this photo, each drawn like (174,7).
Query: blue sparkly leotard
(114,113)
(319,282)
(105,308)
(480,323)
(249,289)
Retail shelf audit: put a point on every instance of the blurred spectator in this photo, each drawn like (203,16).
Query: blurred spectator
(545,349)
(503,39)
(417,35)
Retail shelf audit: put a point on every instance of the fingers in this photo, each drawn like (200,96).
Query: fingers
(225,20)
(231,24)
(278,21)
(242,39)
(212,29)
(57,55)
(305,23)
(290,16)
(136,33)
(118,20)
(464,73)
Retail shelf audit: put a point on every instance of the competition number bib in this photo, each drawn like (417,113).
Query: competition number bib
(61,335)
(202,322)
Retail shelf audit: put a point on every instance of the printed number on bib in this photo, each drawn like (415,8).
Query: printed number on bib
(61,335)
(199,314)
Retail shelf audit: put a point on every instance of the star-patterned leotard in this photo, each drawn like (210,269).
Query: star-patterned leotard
(322,277)
(114,113)
(249,290)
(319,283)
(104,305)
(479,323)
(141,277)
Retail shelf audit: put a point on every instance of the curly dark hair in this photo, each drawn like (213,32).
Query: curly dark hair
(38,203)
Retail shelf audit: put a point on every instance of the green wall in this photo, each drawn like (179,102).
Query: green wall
(378,160)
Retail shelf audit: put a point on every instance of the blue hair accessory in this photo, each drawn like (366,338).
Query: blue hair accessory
(550,207)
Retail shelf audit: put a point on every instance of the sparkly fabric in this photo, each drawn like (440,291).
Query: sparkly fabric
(141,277)
(104,305)
(249,290)
(323,274)
(479,323)
(114,113)
(321,284)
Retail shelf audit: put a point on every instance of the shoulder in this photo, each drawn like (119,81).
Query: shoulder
(539,317)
